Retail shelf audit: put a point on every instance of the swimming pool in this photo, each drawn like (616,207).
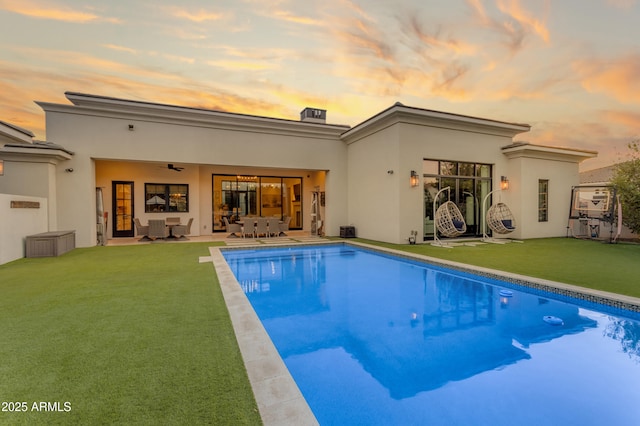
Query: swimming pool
(373,339)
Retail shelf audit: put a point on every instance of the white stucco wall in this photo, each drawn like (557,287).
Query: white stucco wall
(526,174)
(374,194)
(31,177)
(449,144)
(18,223)
(385,207)
(186,140)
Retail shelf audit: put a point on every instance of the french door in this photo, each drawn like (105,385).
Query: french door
(122,209)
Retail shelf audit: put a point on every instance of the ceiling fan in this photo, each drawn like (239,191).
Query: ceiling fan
(172,167)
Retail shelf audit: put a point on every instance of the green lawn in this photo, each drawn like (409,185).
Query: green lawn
(141,335)
(126,335)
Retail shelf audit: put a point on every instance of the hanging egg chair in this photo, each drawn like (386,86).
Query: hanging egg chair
(500,219)
(449,220)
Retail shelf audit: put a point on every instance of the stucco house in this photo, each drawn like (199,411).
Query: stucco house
(155,160)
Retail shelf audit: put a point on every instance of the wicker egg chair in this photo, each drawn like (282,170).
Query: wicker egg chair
(500,219)
(449,220)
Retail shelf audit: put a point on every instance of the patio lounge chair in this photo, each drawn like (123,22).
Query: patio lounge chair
(181,230)
(158,229)
(142,231)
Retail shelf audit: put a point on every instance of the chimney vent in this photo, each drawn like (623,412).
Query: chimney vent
(314,115)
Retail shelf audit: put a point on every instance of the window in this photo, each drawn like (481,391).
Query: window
(543,200)
(163,197)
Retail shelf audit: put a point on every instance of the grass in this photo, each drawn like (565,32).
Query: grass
(126,335)
(609,267)
(141,334)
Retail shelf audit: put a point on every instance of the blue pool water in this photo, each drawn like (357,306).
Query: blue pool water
(375,340)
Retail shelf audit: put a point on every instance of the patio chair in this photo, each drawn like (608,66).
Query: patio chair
(261,227)
(500,219)
(142,231)
(158,229)
(284,226)
(449,220)
(273,223)
(232,228)
(248,227)
(181,230)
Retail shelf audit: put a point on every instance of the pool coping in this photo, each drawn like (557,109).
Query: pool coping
(279,399)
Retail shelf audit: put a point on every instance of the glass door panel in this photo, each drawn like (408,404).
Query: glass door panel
(247,196)
(271,197)
(468,204)
(292,201)
(430,185)
(483,188)
(123,209)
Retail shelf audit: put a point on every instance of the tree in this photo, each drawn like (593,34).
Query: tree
(626,179)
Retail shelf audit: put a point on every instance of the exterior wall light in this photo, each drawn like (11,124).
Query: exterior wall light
(1,167)
(414,179)
(504,183)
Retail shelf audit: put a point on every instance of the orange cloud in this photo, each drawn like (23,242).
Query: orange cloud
(630,120)
(514,24)
(617,78)
(199,16)
(120,48)
(241,65)
(514,9)
(365,37)
(291,17)
(42,10)
(434,40)
(86,65)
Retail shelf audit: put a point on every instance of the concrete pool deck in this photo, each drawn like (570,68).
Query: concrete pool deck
(278,397)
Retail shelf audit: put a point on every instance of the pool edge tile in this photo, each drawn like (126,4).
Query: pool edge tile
(279,399)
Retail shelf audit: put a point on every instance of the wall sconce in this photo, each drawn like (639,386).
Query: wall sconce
(69,170)
(1,167)
(504,183)
(414,179)
(131,127)
(390,172)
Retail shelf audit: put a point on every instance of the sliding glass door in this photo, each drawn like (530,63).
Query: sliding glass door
(236,196)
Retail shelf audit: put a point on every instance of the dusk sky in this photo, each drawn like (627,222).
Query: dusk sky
(569,68)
